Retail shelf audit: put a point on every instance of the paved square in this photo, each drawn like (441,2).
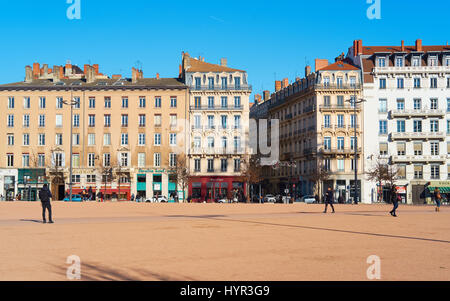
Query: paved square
(142,241)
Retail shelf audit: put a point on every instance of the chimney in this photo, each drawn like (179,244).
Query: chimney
(134,75)
(86,67)
(320,64)
(157,75)
(90,74)
(180,70)
(36,70)
(307,72)
(266,94)
(96,69)
(285,83)
(360,47)
(68,69)
(418,45)
(223,62)
(403,46)
(28,74)
(45,67)
(277,85)
(116,76)
(56,74)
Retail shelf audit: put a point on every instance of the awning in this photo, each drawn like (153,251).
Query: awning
(441,189)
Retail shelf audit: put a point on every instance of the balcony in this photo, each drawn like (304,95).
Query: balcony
(409,69)
(337,87)
(339,108)
(418,136)
(347,128)
(337,151)
(419,159)
(216,151)
(417,113)
(241,87)
(216,108)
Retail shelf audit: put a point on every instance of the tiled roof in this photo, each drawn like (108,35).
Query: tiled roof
(200,66)
(340,65)
(370,50)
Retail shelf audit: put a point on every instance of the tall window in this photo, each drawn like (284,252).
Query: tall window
(106,159)
(157,120)
(124,120)
(157,139)
(401,148)
(383,127)
(400,83)
(237,121)
(107,102)
(141,159)
(157,102)
(41,160)
(340,101)
(434,126)
(91,119)
(172,159)
(417,148)
(59,139)
(59,102)
(417,83)
(340,143)
(26,102)
(10,139)
(76,139)
(26,121)
(435,172)
(383,106)
(326,121)
(91,102)
(237,83)
(157,159)
(210,165)
(381,62)
(142,102)
(211,83)
(400,126)
(237,165)
(10,121)
(124,139)
(26,139)
(434,148)
(76,120)
(382,83)
(58,120)
(173,102)
(10,160)
(340,164)
(223,165)
(107,118)
(197,102)
(141,139)
(237,102)
(433,83)
(417,126)
(434,103)
(41,120)
(124,102)
(400,104)
(399,62)
(42,102)
(327,143)
(340,121)
(142,120)
(41,139)
(106,139)
(10,102)
(224,101)
(326,101)
(196,165)
(417,104)
(124,159)
(173,139)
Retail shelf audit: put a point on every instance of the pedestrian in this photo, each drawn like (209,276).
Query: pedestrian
(329,200)
(44,196)
(437,199)
(395,198)
(132,197)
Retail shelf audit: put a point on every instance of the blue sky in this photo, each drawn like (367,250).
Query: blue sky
(269,39)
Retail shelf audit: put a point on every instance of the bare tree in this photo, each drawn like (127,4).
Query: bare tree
(182,173)
(251,172)
(383,173)
(318,176)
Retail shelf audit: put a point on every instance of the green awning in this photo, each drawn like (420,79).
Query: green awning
(441,189)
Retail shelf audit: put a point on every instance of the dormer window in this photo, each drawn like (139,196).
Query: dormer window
(399,62)
(416,61)
(447,61)
(326,81)
(381,62)
(432,61)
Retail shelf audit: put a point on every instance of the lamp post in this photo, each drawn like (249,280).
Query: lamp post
(71,104)
(354,102)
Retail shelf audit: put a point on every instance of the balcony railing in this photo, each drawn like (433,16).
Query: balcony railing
(418,136)
(418,113)
(241,87)
(336,107)
(216,150)
(338,86)
(411,69)
(216,108)
(340,151)
(424,159)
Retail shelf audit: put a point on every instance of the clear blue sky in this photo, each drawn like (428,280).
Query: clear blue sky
(266,38)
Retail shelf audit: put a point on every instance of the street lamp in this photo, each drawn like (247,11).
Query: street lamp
(354,102)
(71,104)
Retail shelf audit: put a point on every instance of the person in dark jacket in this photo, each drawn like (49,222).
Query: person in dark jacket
(329,200)
(394,200)
(44,196)
(437,199)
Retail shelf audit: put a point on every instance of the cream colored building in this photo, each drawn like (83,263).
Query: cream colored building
(133,125)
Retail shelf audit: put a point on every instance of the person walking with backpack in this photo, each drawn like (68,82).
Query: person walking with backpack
(329,200)
(437,198)
(44,196)
(395,198)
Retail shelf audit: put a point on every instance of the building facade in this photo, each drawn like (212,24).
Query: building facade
(407,115)
(126,132)
(219,122)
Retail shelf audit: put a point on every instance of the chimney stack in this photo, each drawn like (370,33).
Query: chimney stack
(45,67)
(157,75)
(90,75)
(96,69)
(28,74)
(307,72)
(68,69)
(56,74)
(357,47)
(419,45)
(320,64)
(285,83)
(36,70)
(223,62)
(277,85)
(403,46)
(266,94)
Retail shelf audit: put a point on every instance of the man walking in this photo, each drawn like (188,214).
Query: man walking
(437,199)
(44,196)
(394,198)
(329,200)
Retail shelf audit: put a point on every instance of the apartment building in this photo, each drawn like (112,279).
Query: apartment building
(125,132)
(317,119)
(407,114)
(219,120)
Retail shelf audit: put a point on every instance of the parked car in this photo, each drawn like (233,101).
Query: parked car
(222,200)
(75,198)
(308,199)
(269,198)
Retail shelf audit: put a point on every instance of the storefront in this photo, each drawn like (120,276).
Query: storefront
(8,184)
(211,189)
(30,181)
(161,182)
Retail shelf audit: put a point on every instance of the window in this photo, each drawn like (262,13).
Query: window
(107,118)
(352,81)
(224,83)
(141,159)
(107,102)
(210,165)
(58,139)
(142,120)
(434,103)
(77,102)
(224,101)
(210,102)
(10,120)
(41,139)
(106,159)
(10,102)
(340,143)
(76,160)
(196,165)
(340,101)
(416,83)
(224,142)
(223,165)
(91,102)
(90,178)
(198,83)
(91,160)
(237,102)
(434,148)
(91,120)
(237,83)
(26,121)
(434,126)
(10,160)
(76,120)
(58,159)
(157,120)
(416,61)
(198,102)
(237,121)
(124,102)
(340,121)
(435,172)
(400,126)
(353,121)
(26,102)
(76,179)
(448,104)
(326,81)
(10,139)
(432,61)
(172,159)
(173,102)
(382,83)
(417,126)
(352,143)
(124,139)
(197,121)
(237,144)
(173,139)
(340,165)
(106,139)
(91,139)
(327,143)
(76,139)
(42,102)
(339,82)
(157,139)
(399,62)
(141,102)
(211,121)
(326,101)
(417,148)
(401,174)
(326,121)
(448,126)
(173,120)
(433,83)
(400,83)
(124,120)
(26,139)
(197,142)
(383,127)
(124,159)
(383,106)
(157,102)
(157,159)
(59,120)
(237,165)
(383,149)
(401,148)
(400,104)
(141,139)
(417,104)
(59,102)
(381,62)
(327,164)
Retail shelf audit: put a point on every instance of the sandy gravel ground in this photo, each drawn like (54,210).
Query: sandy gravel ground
(140,241)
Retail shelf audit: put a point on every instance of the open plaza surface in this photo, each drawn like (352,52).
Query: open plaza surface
(223,242)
